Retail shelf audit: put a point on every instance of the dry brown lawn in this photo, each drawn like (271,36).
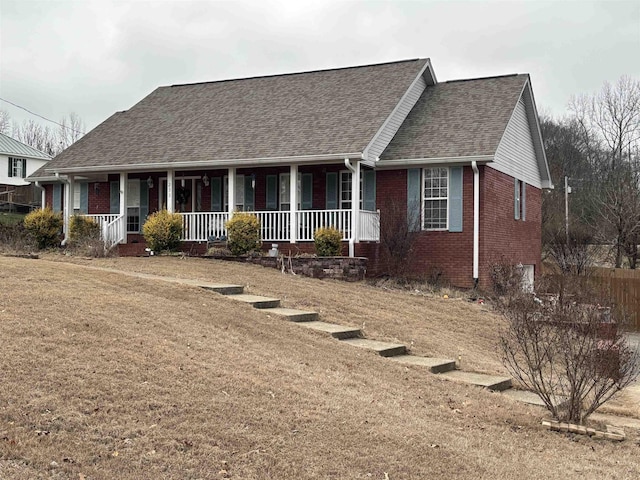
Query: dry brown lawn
(107,376)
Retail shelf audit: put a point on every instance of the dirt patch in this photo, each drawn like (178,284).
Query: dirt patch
(110,376)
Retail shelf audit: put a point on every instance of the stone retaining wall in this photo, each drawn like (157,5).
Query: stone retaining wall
(350,269)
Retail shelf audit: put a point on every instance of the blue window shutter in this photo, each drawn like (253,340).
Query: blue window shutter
(114,200)
(24,168)
(198,196)
(84,197)
(57,197)
(306,202)
(272,192)
(249,194)
(414,203)
(523,201)
(144,202)
(369,190)
(10,163)
(216,194)
(455,199)
(332,191)
(516,200)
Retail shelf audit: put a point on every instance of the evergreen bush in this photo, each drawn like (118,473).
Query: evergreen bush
(163,231)
(328,242)
(243,230)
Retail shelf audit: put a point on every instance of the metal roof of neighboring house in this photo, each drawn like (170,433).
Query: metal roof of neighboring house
(326,112)
(461,118)
(11,146)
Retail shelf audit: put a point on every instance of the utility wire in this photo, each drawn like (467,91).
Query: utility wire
(44,118)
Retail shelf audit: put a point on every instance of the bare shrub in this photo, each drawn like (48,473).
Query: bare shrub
(569,349)
(506,277)
(574,255)
(398,235)
(14,238)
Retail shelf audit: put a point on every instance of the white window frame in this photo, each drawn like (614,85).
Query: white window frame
(423,184)
(76,197)
(347,203)
(133,205)
(284,190)
(16,171)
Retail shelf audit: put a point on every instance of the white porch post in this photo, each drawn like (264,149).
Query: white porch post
(124,178)
(355,203)
(231,190)
(43,196)
(67,206)
(293,198)
(170,191)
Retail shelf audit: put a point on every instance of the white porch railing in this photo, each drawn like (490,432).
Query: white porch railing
(113,232)
(200,226)
(369,226)
(275,225)
(310,220)
(103,220)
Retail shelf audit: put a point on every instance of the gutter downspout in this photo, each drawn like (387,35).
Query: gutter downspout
(352,240)
(476,221)
(43,194)
(66,203)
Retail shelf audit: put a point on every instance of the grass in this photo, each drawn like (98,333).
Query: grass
(11,218)
(111,376)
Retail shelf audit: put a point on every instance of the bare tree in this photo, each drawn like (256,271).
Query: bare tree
(35,135)
(5,122)
(570,350)
(610,119)
(397,235)
(71,129)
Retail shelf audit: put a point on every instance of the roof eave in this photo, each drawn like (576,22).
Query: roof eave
(222,163)
(415,162)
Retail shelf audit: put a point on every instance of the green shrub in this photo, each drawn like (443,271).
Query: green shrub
(243,231)
(163,231)
(44,226)
(83,228)
(328,242)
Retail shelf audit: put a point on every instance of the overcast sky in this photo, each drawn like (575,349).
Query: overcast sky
(98,57)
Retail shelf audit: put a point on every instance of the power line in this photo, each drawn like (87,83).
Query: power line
(38,115)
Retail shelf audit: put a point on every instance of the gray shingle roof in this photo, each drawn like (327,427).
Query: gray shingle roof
(457,119)
(314,113)
(11,146)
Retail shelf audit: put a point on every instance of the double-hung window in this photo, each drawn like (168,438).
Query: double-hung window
(346,193)
(435,198)
(17,167)
(133,205)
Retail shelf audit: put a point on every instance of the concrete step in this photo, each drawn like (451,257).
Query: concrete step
(336,331)
(294,315)
(257,301)
(490,382)
(385,349)
(435,365)
(531,398)
(223,289)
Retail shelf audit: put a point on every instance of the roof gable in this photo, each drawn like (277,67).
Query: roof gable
(463,118)
(329,112)
(11,146)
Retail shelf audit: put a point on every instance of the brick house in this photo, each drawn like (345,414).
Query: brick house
(461,162)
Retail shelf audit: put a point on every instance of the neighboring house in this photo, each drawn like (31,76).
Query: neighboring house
(17,162)
(461,162)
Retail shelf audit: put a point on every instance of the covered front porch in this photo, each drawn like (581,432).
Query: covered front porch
(291,202)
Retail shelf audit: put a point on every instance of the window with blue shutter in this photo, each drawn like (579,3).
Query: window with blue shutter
(57,197)
(332,191)
(455,199)
(306,202)
(516,199)
(369,190)
(216,194)
(272,192)
(144,202)
(114,198)
(84,198)
(249,193)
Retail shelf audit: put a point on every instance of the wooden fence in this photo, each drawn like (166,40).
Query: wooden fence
(621,285)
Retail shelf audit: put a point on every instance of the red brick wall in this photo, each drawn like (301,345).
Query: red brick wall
(451,254)
(502,238)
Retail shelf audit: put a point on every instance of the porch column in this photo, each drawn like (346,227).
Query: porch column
(43,196)
(171,203)
(67,206)
(231,191)
(124,178)
(293,198)
(355,203)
